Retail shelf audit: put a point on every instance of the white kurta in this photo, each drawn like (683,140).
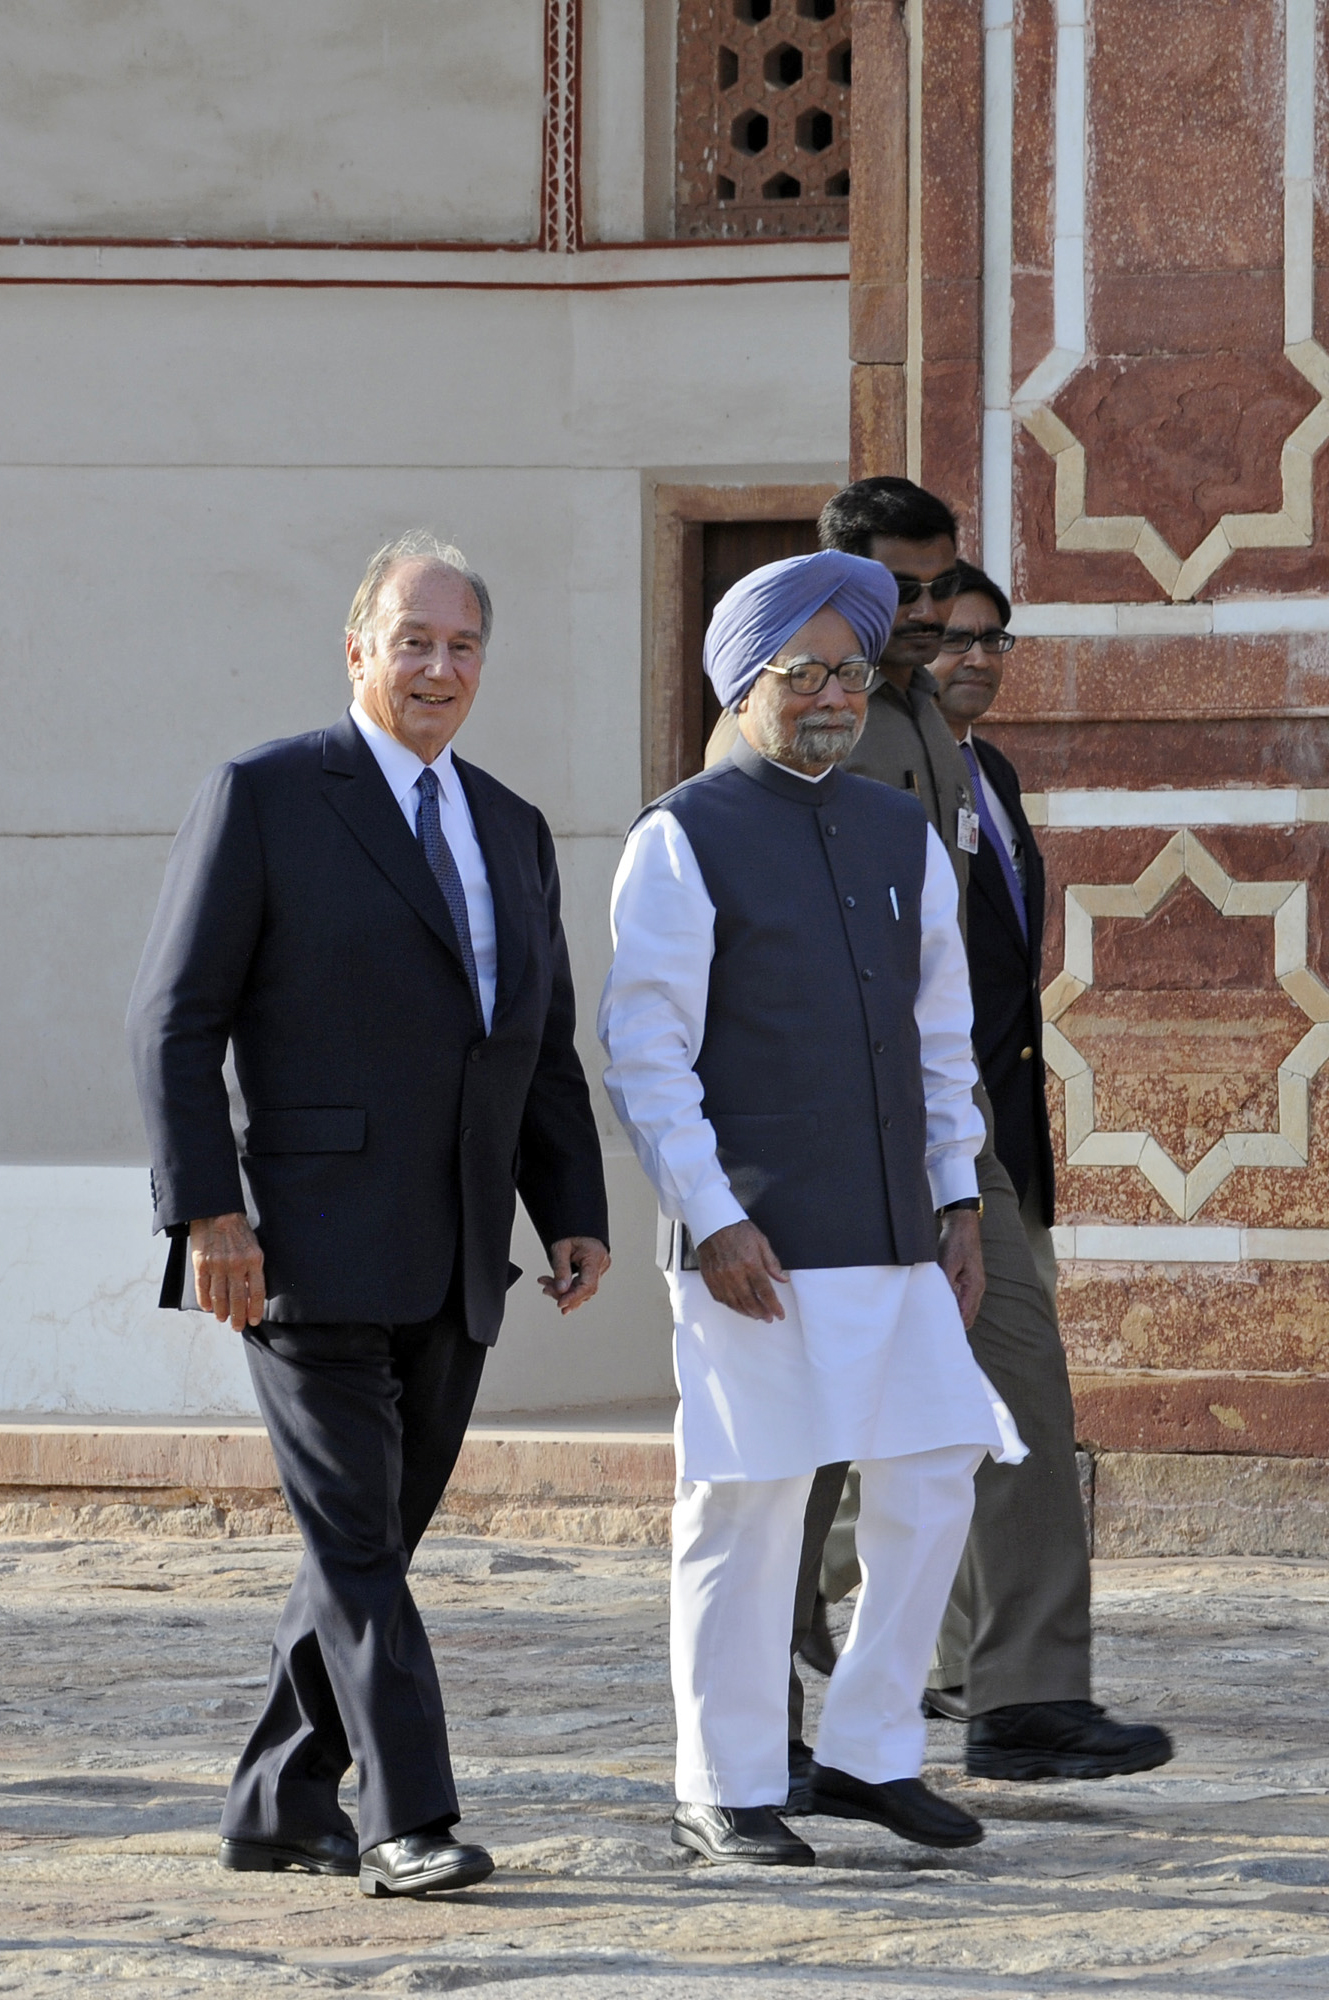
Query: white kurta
(868,1362)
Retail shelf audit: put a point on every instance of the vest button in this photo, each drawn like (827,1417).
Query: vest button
(867,972)
(885,1124)
(1025,1055)
(849,902)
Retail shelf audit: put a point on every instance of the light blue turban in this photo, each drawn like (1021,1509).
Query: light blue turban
(764,609)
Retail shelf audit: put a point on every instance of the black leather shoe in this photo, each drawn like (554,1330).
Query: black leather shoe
(818,1649)
(319,1853)
(945,1704)
(740,1833)
(1060,1739)
(905,1805)
(419,1864)
(800,1792)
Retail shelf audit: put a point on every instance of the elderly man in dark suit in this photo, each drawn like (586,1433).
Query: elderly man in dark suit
(372,927)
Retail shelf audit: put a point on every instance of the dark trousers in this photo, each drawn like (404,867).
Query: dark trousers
(366,1422)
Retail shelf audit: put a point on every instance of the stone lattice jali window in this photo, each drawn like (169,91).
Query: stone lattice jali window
(762,141)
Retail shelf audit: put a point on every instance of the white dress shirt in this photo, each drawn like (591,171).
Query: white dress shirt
(869,1362)
(1001,819)
(401,767)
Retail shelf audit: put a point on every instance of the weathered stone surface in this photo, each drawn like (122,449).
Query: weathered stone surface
(132,1673)
(177,1480)
(1191,679)
(1179,95)
(1175,1412)
(876,420)
(1266,1318)
(1031,191)
(1191,1504)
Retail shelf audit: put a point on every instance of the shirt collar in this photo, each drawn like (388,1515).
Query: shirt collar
(400,766)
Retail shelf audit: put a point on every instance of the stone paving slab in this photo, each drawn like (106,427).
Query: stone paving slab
(131,1670)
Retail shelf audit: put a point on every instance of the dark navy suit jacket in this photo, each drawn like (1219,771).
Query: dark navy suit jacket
(387,1135)
(1005,973)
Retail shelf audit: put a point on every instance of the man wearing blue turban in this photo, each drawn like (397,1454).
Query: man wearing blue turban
(787,1021)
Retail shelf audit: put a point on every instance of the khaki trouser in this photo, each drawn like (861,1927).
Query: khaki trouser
(1017,1625)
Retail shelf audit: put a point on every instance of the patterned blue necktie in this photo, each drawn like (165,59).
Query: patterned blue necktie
(429,833)
(989,826)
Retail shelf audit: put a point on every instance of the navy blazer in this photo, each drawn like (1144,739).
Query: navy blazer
(1005,973)
(387,1136)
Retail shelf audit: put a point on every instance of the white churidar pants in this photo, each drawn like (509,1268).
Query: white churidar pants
(736,1546)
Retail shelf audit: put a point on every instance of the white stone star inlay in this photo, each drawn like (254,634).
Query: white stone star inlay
(1185,857)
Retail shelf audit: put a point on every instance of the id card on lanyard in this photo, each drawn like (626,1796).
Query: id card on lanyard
(966,824)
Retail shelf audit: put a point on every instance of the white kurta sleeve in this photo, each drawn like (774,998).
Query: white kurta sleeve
(945,1015)
(653,1017)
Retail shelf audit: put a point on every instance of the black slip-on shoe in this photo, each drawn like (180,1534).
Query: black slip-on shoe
(318,1853)
(818,1649)
(1060,1739)
(739,1833)
(800,1763)
(945,1705)
(422,1864)
(905,1805)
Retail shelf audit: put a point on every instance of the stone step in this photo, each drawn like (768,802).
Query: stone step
(604,1477)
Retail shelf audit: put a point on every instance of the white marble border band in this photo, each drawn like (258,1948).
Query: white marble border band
(1229,616)
(1236,806)
(1147,1243)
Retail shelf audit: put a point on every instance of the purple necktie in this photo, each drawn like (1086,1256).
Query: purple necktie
(989,826)
(429,832)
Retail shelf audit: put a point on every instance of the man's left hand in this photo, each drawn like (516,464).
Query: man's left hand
(961,1258)
(579,1264)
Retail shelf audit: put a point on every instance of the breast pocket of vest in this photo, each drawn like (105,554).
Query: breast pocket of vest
(306,1128)
(758,1150)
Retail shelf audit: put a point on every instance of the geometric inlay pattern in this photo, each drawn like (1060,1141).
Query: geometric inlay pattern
(1292,524)
(1185,858)
(762,118)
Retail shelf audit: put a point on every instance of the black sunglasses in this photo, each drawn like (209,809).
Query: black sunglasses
(941,588)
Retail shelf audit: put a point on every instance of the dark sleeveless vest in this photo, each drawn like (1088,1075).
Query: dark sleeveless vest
(810,1060)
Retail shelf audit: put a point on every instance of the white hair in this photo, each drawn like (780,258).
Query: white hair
(423,546)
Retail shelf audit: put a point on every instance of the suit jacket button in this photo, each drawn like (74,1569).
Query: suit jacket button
(879,1048)
(465,1131)
(849,902)
(476,1054)
(885,1124)
(867,972)
(831,831)
(1025,1054)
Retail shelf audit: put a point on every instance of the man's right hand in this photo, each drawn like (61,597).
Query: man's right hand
(228,1268)
(738,1265)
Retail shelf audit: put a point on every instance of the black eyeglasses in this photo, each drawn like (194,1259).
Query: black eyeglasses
(957,640)
(809,675)
(941,588)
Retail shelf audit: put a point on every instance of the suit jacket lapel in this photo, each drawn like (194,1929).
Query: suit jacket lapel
(356,789)
(985,875)
(505,883)
(999,777)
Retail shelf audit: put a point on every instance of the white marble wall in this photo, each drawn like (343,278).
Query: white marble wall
(192,473)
